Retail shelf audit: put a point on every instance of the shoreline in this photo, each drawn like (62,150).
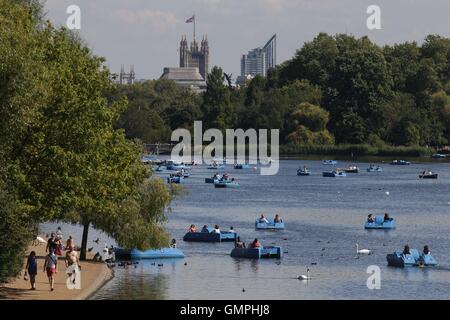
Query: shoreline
(94,275)
(104,281)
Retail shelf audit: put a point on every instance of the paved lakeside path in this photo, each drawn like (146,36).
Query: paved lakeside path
(93,276)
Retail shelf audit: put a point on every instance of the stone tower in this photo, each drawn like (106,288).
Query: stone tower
(194,56)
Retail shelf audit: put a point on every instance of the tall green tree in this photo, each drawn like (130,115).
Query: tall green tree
(61,156)
(217,109)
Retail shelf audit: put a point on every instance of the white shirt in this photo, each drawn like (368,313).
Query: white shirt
(216,231)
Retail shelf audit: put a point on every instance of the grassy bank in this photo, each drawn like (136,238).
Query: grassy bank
(356,150)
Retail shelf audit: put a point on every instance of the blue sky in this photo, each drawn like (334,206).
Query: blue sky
(146,33)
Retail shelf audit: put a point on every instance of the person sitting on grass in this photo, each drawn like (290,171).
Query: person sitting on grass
(255,244)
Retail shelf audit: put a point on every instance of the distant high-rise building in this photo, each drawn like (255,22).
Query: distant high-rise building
(260,60)
(195,57)
(127,78)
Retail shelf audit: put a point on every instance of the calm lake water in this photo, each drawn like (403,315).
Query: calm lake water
(324,220)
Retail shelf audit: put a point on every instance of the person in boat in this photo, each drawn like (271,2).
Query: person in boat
(426,250)
(263,219)
(277,219)
(205,228)
(231,230)
(239,243)
(370,218)
(216,229)
(255,244)
(173,243)
(406,250)
(192,228)
(387,218)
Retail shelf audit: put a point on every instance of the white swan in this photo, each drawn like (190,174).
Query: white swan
(362,251)
(303,277)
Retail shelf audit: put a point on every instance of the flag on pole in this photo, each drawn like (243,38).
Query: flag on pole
(191,19)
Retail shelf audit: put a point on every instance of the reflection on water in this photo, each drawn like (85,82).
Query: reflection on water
(324,220)
(147,280)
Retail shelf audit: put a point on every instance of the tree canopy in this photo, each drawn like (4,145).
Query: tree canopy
(61,157)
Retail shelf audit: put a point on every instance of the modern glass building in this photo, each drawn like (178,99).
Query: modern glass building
(258,61)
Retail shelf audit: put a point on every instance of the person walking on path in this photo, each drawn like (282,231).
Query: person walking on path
(52,243)
(31,269)
(50,265)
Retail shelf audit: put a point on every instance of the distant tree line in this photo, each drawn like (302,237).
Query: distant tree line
(336,90)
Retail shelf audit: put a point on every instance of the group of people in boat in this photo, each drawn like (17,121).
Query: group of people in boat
(427,173)
(240,244)
(371,218)
(179,173)
(223,177)
(426,250)
(205,228)
(276,219)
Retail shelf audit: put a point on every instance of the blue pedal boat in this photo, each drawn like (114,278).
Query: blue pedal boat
(216,166)
(213,179)
(223,236)
(241,166)
(329,162)
(225,184)
(303,172)
(400,163)
(186,174)
(413,259)
(175,167)
(134,254)
(334,174)
(268,225)
(373,168)
(379,223)
(257,253)
(176,179)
